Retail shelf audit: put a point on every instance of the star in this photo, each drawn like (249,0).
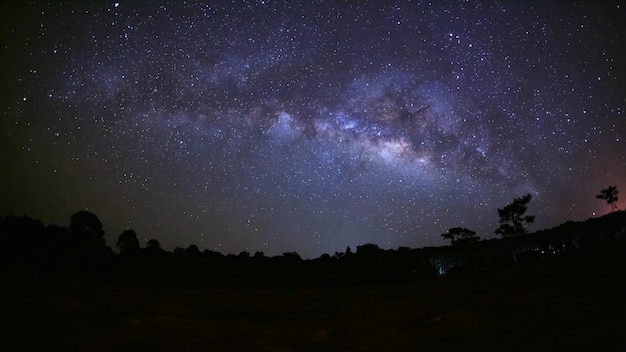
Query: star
(309,127)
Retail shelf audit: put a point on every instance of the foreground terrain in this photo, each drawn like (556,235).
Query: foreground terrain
(564,303)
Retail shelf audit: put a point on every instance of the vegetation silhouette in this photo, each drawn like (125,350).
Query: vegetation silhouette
(562,286)
(609,194)
(87,228)
(460,235)
(503,285)
(192,251)
(127,243)
(153,247)
(26,245)
(512,218)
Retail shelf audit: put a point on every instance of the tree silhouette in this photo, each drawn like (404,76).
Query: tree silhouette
(192,250)
(460,235)
(87,228)
(153,243)
(259,255)
(610,195)
(368,249)
(128,243)
(512,218)
(153,247)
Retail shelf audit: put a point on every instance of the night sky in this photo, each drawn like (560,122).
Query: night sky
(309,127)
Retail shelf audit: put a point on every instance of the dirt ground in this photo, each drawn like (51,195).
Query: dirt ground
(540,309)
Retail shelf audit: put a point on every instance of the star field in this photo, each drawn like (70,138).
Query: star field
(309,127)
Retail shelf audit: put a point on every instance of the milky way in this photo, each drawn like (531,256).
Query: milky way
(309,127)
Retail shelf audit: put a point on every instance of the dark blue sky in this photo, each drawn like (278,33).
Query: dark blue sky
(310,127)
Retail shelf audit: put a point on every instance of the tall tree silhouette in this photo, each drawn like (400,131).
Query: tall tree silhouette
(609,194)
(87,228)
(128,243)
(460,235)
(512,218)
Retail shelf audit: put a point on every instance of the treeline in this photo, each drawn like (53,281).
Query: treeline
(27,247)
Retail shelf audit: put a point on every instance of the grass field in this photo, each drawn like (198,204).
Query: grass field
(555,305)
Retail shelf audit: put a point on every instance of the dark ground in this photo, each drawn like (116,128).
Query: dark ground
(570,303)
